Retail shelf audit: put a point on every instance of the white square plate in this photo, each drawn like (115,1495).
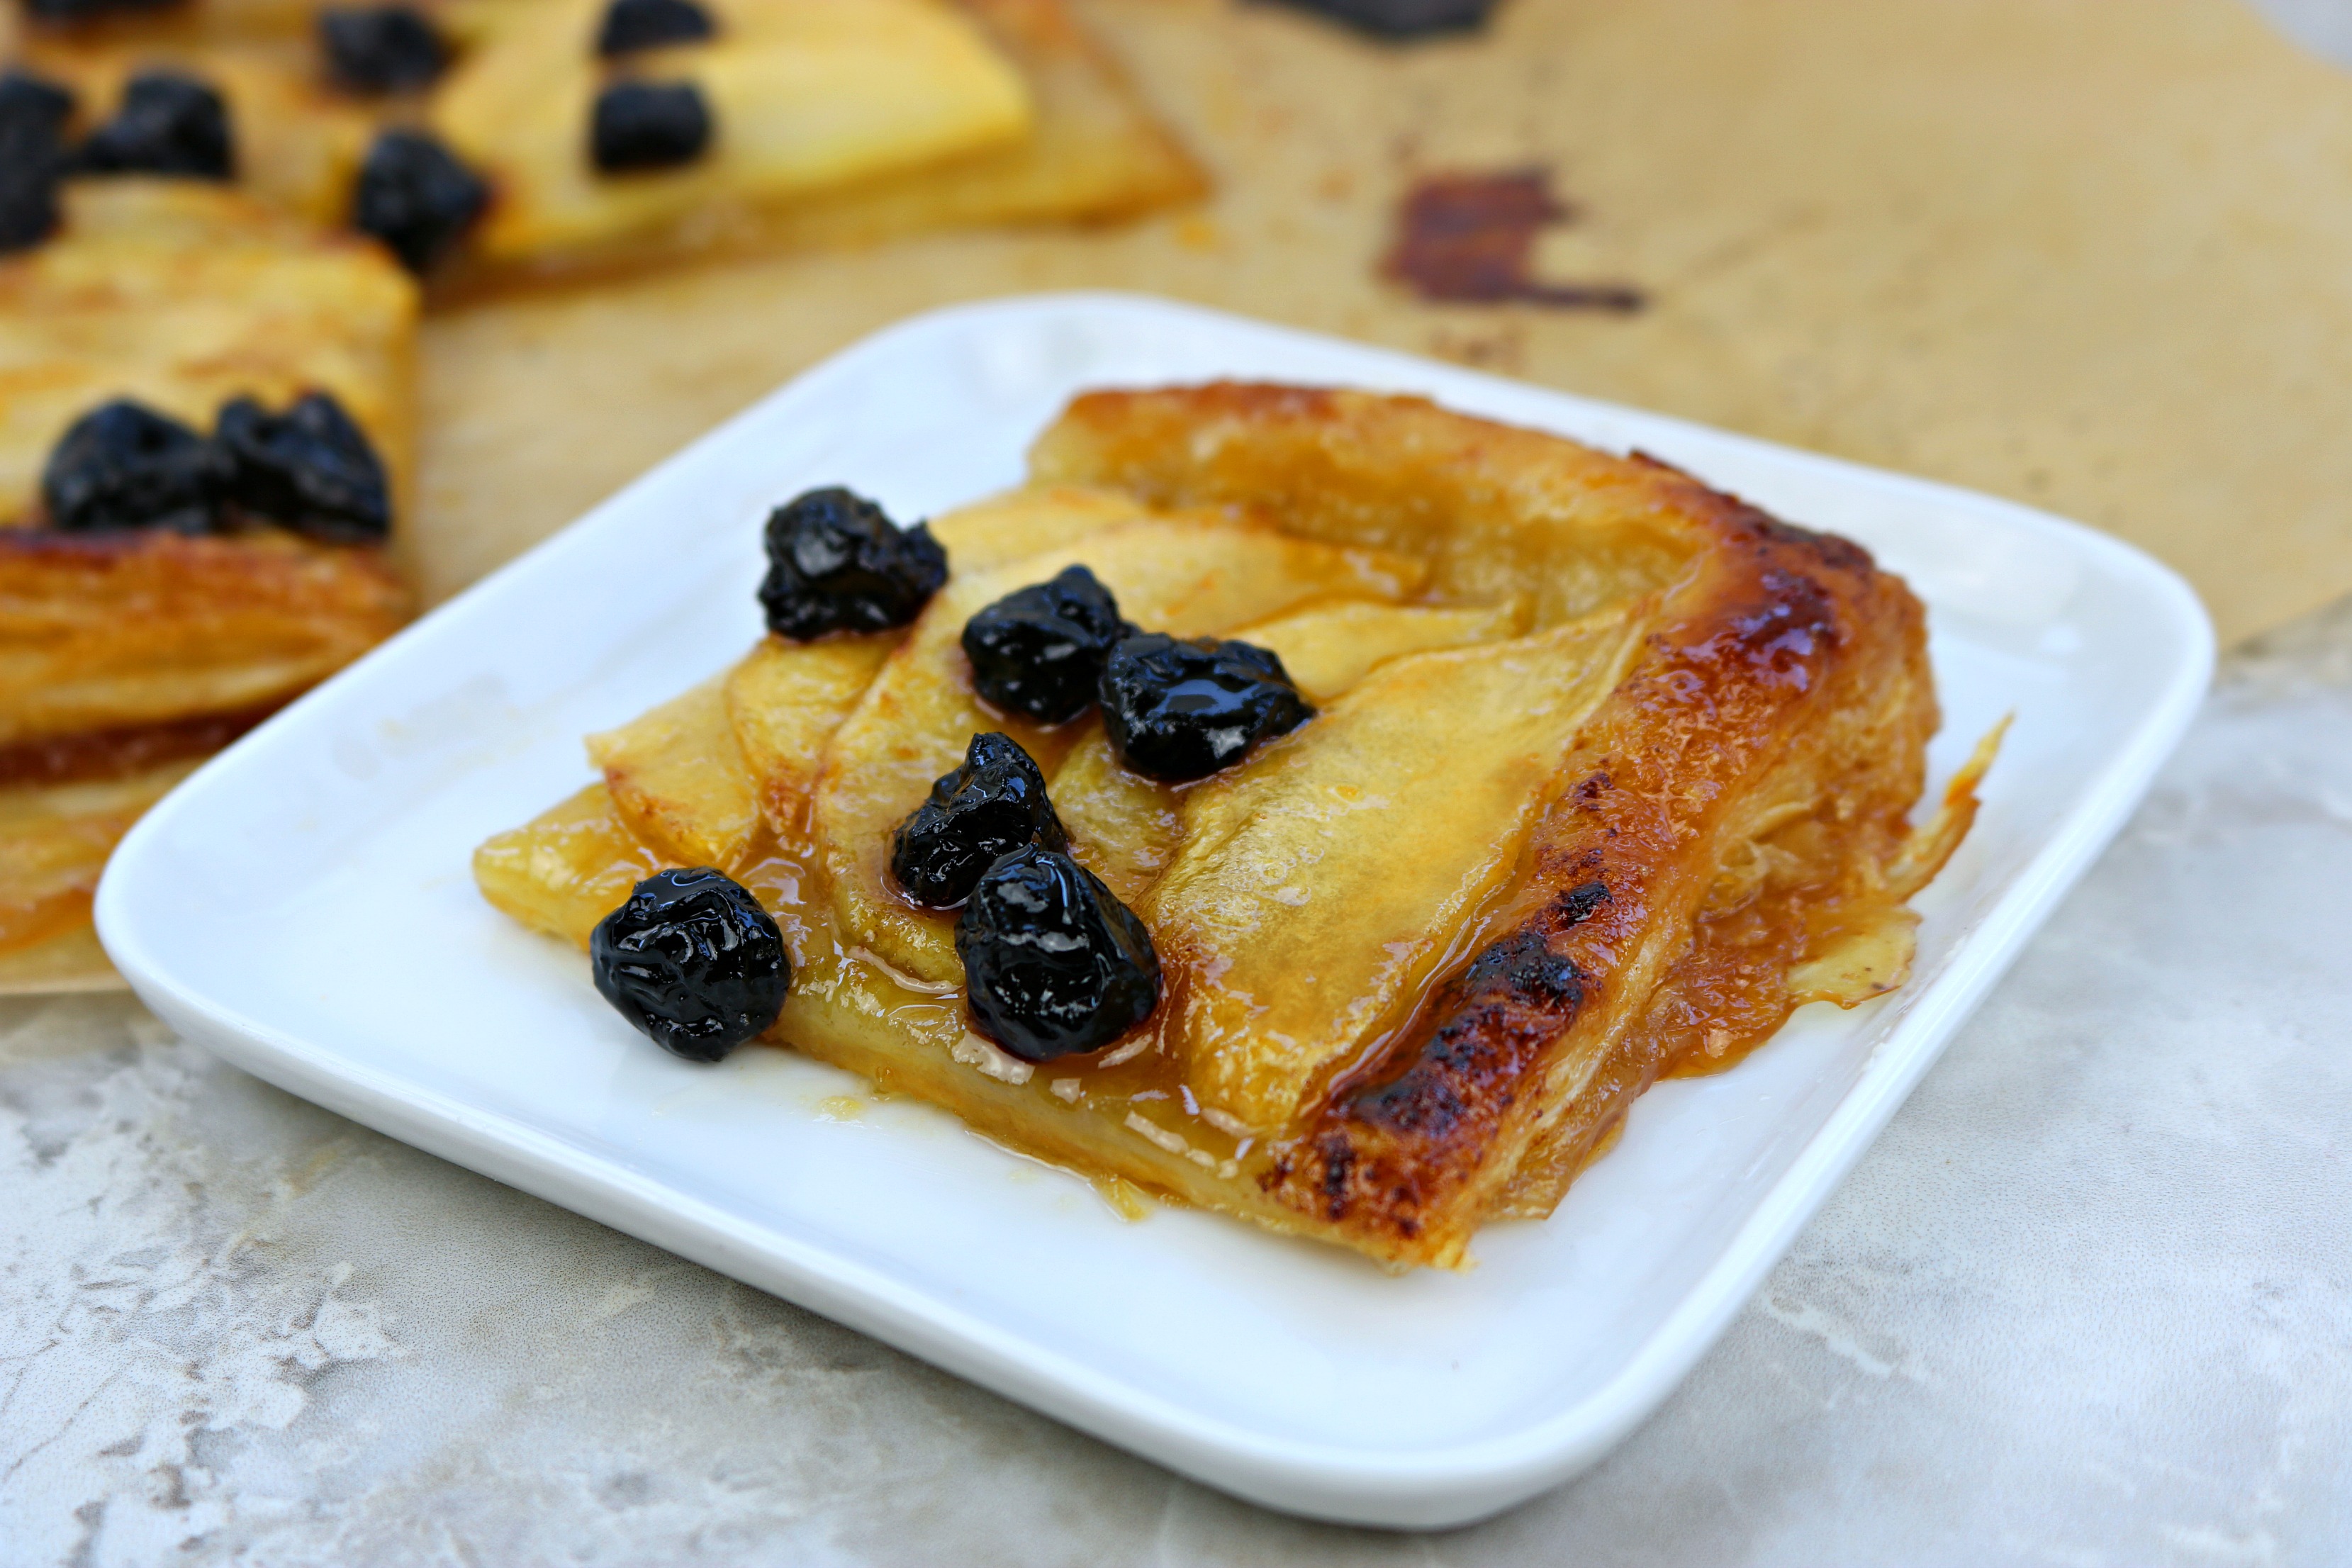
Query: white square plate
(303,906)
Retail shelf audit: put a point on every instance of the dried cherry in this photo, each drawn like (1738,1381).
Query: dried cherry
(310,468)
(993,804)
(1401,19)
(33,115)
(633,24)
(90,10)
(1039,650)
(1054,966)
(167,124)
(123,465)
(416,197)
(1177,710)
(382,48)
(836,564)
(648,125)
(694,962)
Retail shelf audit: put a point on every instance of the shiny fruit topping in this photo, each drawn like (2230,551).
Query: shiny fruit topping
(1039,650)
(382,48)
(633,24)
(310,468)
(993,804)
(1399,19)
(123,465)
(1054,966)
(648,125)
(167,124)
(1177,710)
(71,11)
(836,564)
(416,197)
(694,962)
(33,115)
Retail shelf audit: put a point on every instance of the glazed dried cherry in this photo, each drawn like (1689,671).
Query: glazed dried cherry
(993,804)
(416,197)
(1039,650)
(694,962)
(89,10)
(310,468)
(1054,964)
(836,564)
(648,125)
(1177,710)
(33,115)
(123,465)
(167,124)
(382,48)
(1401,19)
(633,24)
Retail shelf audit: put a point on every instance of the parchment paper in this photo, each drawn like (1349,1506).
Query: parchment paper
(2096,256)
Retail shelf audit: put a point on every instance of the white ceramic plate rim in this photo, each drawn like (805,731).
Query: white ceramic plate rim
(1441,1485)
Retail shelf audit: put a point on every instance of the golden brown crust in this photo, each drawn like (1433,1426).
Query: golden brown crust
(94,754)
(103,632)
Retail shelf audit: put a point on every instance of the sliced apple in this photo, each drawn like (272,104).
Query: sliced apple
(1328,648)
(680,780)
(804,95)
(1123,828)
(785,699)
(1021,523)
(1319,884)
(567,868)
(915,720)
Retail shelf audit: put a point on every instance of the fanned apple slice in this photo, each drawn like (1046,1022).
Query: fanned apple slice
(1328,648)
(785,699)
(913,724)
(805,96)
(1319,885)
(1123,828)
(567,868)
(1021,523)
(680,780)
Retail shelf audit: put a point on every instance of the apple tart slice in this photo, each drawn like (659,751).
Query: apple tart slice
(163,589)
(1316,806)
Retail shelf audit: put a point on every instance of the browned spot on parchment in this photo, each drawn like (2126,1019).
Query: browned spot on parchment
(1471,239)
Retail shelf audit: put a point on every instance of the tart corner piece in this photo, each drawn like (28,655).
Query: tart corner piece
(127,654)
(1605,774)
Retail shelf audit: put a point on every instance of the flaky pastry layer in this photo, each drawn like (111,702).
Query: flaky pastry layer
(125,657)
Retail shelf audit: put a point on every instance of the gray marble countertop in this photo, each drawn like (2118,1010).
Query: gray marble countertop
(2088,1300)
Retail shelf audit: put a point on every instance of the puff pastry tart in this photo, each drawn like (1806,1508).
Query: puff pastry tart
(1316,806)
